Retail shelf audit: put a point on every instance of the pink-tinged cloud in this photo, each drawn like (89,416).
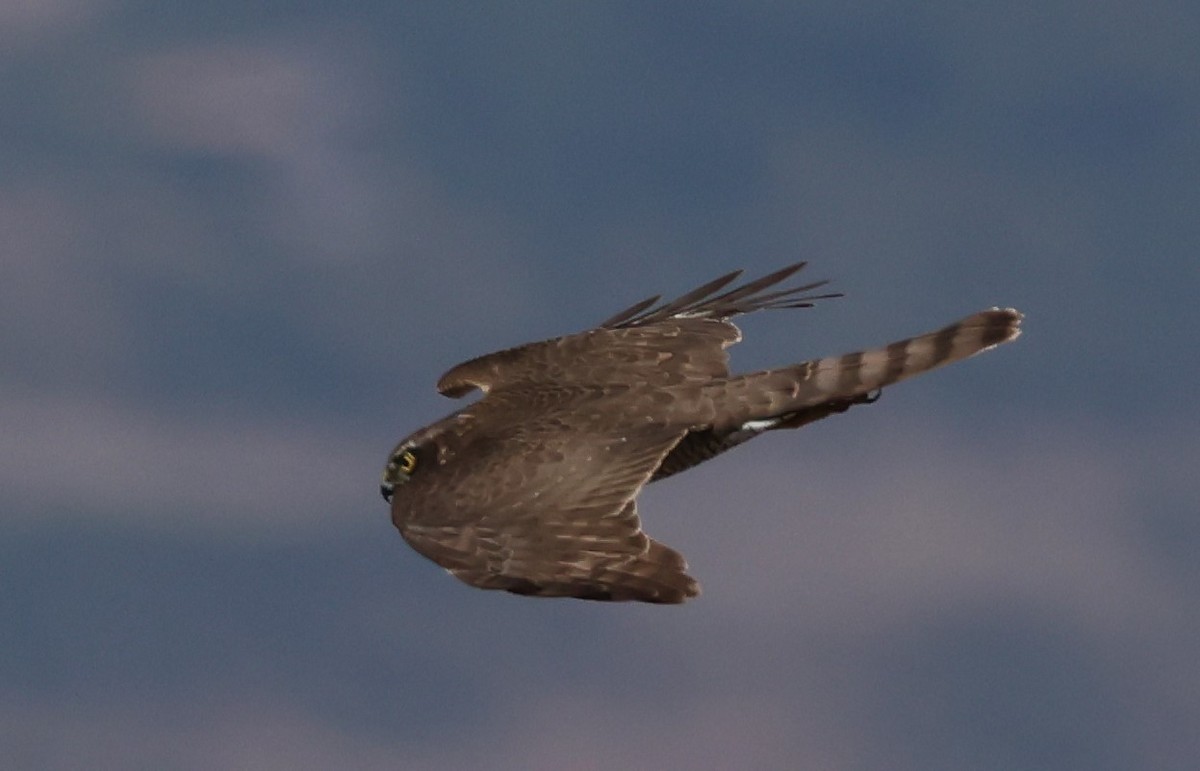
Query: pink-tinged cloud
(228,731)
(54,312)
(255,98)
(25,24)
(358,224)
(717,730)
(879,521)
(81,458)
(568,731)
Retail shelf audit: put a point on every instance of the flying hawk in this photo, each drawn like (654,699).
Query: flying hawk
(532,488)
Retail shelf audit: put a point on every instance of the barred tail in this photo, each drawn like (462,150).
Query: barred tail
(776,393)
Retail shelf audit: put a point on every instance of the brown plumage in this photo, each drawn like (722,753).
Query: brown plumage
(531,489)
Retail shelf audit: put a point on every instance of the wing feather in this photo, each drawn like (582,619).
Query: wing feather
(660,345)
(548,513)
(609,559)
(746,298)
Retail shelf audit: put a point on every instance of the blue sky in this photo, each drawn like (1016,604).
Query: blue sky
(241,241)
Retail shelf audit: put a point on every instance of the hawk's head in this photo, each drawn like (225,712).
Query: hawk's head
(401,465)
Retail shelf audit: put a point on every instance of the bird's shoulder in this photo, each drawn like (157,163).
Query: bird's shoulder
(661,354)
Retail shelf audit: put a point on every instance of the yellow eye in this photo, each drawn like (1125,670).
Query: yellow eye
(407,462)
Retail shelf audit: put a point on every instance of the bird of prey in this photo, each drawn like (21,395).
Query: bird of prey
(532,489)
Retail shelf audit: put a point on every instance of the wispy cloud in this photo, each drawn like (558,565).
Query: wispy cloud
(25,24)
(343,220)
(213,732)
(888,523)
(99,461)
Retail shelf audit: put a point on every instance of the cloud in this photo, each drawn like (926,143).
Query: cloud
(72,458)
(231,731)
(321,238)
(346,229)
(256,98)
(57,316)
(570,730)
(25,24)
(294,108)
(898,519)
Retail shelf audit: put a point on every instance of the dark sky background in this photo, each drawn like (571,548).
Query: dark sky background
(239,242)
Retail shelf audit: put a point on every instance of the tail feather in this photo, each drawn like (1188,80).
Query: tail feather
(778,392)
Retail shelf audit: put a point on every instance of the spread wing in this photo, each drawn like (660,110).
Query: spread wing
(547,511)
(659,346)
(609,558)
